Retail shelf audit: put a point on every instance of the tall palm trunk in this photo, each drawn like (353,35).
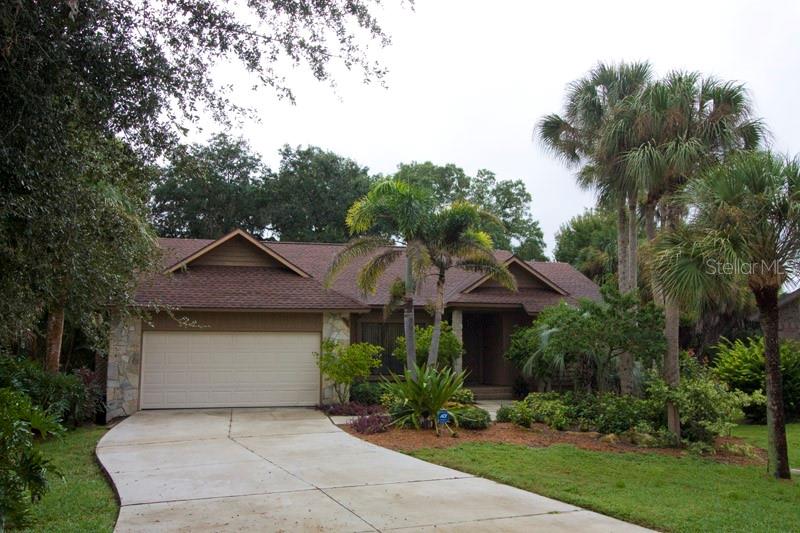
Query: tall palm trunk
(633,244)
(672,323)
(650,220)
(55,332)
(408,319)
(433,350)
(623,246)
(625,360)
(767,300)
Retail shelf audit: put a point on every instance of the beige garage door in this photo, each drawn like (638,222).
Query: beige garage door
(202,369)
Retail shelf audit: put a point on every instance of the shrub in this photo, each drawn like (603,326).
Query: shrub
(450,347)
(344,365)
(707,407)
(618,414)
(366,392)
(548,408)
(370,424)
(23,469)
(464,396)
(589,336)
(471,417)
(521,414)
(72,399)
(740,364)
(504,413)
(416,402)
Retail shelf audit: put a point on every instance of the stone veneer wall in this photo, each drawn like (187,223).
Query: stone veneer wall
(124,363)
(335,327)
(789,325)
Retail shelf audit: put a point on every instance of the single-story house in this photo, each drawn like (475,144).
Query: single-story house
(237,322)
(789,315)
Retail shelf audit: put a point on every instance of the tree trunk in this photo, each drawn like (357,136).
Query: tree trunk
(650,220)
(633,245)
(55,331)
(778,465)
(624,360)
(433,349)
(622,247)
(408,320)
(672,370)
(672,323)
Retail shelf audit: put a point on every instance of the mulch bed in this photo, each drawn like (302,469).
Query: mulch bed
(539,436)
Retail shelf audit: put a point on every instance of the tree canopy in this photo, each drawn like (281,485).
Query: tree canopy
(508,200)
(206,191)
(93,87)
(589,243)
(309,196)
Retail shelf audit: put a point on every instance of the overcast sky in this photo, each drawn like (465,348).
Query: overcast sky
(468,81)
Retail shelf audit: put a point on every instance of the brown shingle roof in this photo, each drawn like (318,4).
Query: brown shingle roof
(278,288)
(314,258)
(240,287)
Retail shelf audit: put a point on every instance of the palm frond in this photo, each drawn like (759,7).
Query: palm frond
(372,271)
(356,248)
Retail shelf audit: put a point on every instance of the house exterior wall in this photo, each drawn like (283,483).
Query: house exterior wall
(125,343)
(236,252)
(124,363)
(789,324)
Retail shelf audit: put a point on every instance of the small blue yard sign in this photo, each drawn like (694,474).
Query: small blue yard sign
(443,417)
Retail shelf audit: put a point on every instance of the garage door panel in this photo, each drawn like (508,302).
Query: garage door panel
(205,369)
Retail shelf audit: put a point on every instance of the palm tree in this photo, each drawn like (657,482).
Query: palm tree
(745,223)
(677,127)
(453,240)
(398,211)
(575,137)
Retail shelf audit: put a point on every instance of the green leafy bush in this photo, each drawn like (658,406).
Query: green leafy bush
(740,364)
(463,395)
(450,347)
(344,365)
(415,402)
(589,338)
(366,392)
(521,414)
(707,407)
(548,409)
(72,399)
(611,413)
(23,469)
(471,417)
(504,413)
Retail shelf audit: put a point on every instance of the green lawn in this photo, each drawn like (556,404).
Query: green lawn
(757,436)
(83,501)
(665,493)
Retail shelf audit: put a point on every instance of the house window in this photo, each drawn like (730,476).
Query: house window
(384,335)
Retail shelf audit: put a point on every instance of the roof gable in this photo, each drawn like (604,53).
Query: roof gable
(526,275)
(236,249)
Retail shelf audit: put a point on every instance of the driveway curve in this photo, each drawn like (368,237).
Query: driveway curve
(287,469)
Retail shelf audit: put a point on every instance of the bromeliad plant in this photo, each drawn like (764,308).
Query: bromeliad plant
(416,401)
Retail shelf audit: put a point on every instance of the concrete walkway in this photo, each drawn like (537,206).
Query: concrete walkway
(293,470)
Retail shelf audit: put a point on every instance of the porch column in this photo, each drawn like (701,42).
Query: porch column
(458,328)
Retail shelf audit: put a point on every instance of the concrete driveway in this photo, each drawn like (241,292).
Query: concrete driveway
(288,469)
